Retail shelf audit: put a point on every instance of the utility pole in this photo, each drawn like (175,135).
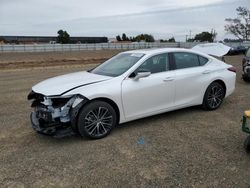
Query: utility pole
(213,32)
(190,32)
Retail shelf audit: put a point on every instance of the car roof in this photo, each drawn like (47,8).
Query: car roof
(152,51)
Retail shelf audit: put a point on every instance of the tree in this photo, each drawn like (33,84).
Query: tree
(138,38)
(132,39)
(2,40)
(190,40)
(145,37)
(149,38)
(171,39)
(124,37)
(63,37)
(204,37)
(240,26)
(118,38)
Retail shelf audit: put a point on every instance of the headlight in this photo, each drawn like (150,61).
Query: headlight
(36,96)
(61,101)
(77,101)
(56,101)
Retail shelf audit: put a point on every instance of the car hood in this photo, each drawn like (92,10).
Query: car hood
(62,84)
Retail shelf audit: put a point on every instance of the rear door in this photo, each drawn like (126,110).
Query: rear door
(191,79)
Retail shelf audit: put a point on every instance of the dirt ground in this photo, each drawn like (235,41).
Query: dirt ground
(48,59)
(184,148)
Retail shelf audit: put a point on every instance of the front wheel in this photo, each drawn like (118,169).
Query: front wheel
(96,120)
(213,96)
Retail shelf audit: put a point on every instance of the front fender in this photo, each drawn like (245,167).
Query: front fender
(107,89)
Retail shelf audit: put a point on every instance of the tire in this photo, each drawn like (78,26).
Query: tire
(214,96)
(246,78)
(247,144)
(96,120)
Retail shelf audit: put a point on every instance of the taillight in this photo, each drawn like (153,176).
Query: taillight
(232,69)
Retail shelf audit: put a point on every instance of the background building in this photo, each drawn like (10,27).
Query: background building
(50,39)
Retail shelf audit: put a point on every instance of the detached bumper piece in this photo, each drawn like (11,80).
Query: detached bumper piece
(41,122)
(245,126)
(45,125)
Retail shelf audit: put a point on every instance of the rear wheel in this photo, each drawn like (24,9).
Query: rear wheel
(213,96)
(96,120)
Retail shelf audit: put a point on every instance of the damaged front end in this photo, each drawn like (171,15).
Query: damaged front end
(55,115)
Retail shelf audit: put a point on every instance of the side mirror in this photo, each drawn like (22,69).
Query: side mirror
(141,75)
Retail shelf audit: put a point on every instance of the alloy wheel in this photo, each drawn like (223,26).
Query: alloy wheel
(215,96)
(98,121)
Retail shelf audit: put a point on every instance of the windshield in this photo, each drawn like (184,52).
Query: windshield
(248,52)
(118,64)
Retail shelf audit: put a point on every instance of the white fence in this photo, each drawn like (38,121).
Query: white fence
(97,46)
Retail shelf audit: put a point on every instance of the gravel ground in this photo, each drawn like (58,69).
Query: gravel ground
(184,148)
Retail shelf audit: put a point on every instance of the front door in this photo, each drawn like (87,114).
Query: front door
(152,94)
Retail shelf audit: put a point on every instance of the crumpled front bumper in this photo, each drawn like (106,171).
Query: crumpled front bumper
(50,128)
(55,115)
(42,125)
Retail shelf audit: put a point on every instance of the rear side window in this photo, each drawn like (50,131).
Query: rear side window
(185,60)
(203,60)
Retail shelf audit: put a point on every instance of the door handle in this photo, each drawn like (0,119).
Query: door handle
(206,72)
(168,79)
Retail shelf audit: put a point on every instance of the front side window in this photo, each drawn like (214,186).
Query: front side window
(155,64)
(185,60)
(118,64)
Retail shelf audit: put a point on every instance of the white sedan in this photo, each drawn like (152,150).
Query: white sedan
(129,86)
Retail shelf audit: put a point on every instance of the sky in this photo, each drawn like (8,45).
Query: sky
(161,18)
